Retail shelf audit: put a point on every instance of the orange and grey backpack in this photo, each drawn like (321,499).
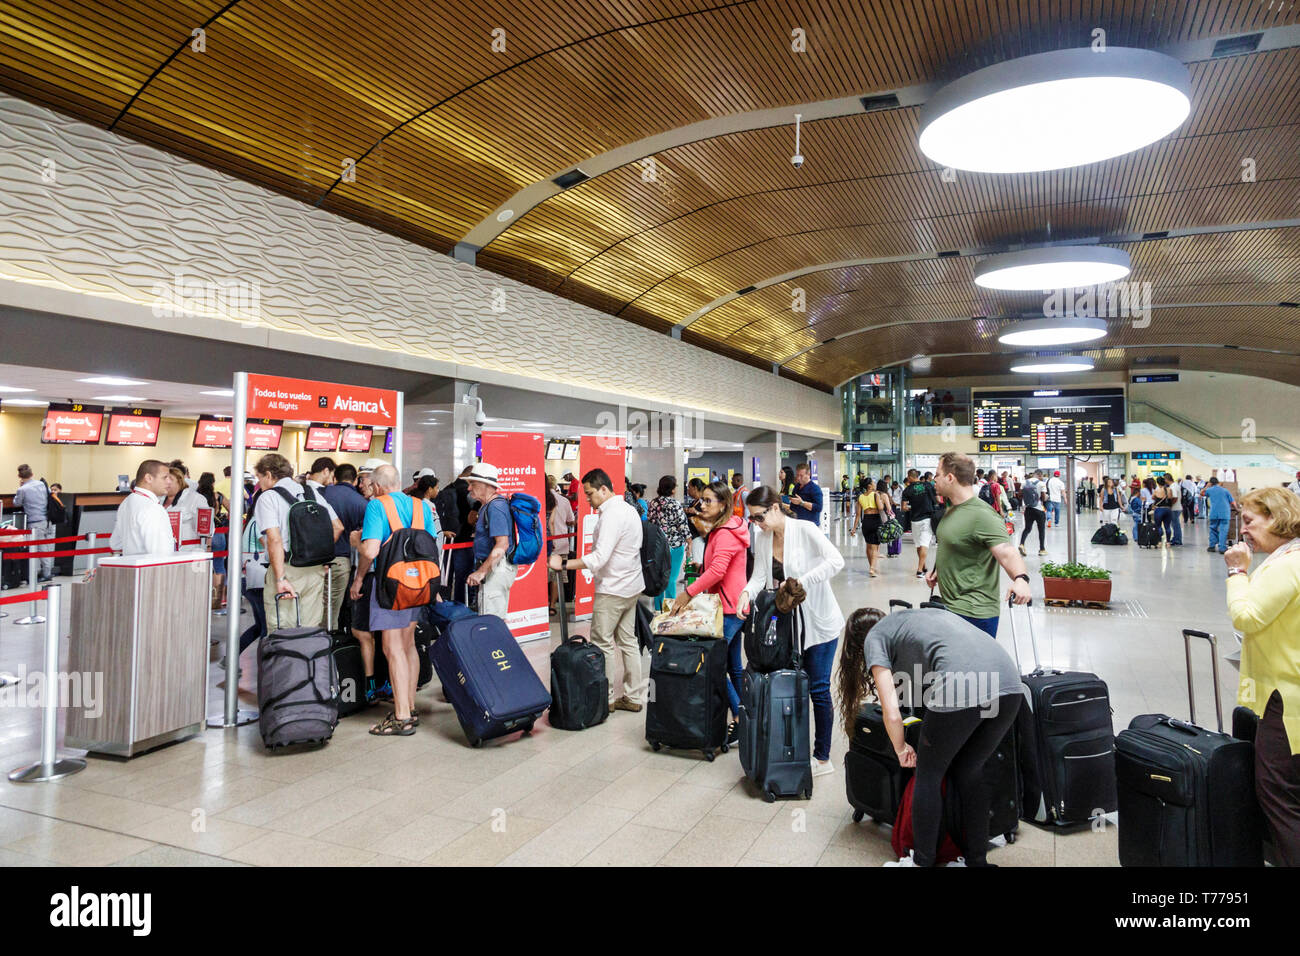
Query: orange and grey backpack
(407,563)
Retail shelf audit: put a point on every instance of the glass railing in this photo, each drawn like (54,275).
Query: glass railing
(1242,444)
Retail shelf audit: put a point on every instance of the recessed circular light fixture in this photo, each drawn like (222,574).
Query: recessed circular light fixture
(1052,267)
(1055,110)
(505,215)
(1047,365)
(1047,332)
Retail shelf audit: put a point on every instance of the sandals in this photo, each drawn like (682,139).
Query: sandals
(390,726)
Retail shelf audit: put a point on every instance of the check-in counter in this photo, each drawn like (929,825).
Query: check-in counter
(88,512)
(143,622)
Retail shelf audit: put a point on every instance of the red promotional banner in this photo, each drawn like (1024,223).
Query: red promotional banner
(356,439)
(214,431)
(270,396)
(175,518)
(608,454)
(204,522)
(519,458)
(72,424)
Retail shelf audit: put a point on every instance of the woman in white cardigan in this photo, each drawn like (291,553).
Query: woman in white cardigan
(787,548)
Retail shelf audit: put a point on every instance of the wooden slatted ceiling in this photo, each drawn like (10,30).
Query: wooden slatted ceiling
(286,90)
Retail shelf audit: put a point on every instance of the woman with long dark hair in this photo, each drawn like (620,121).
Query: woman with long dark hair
(723,573)
(970,688)
(874,506)
(666,513)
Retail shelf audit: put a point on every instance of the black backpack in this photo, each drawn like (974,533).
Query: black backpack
(311,533)
(771,639)
(1109,534)
(656,559)
(55,512)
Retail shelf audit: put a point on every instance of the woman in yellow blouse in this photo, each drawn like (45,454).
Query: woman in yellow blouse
(874,508)
(1265,608)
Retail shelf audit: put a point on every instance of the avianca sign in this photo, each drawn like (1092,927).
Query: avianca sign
(270,396)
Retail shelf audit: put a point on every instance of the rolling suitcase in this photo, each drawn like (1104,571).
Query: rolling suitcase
(774,725)
(687,708)
(1066,742)
(348,665)
(1186,794)
(579,686)
(487,679)
(297,685)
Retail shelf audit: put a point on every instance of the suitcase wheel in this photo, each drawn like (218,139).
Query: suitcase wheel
(708,755)
(769,796)
(656,746)
(528,727)
(726,748)
(1011,838)
(857,816)
(807,794)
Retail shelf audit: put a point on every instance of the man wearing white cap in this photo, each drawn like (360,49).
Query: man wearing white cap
(493,575)
(415,480)
(363,476)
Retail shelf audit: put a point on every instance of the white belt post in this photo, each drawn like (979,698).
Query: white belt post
(50,766)
(91,559)
(33,572)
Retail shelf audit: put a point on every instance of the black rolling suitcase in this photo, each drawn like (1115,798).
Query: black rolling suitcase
(297,685)
(687,708)
(1148,535)
(873,778)
(1066,742)
(579,686)
(1187,794)
(774,723)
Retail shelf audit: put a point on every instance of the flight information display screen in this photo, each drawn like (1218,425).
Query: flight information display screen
(133,426)
(72,424)
(1071,429)
(999,418)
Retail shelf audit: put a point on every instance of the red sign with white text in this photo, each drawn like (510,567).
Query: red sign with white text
(322,438)
(262,435)
(270,396)
(520,461)
(203,522)
(133,426)
(356,439)
(608,454)
(175,518)
(214,431)
(72,424)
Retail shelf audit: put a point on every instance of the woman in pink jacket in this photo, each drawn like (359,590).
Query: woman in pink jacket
(724,574)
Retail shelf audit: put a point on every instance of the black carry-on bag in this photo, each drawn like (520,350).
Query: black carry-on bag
(349,669)
(579,685)
(1066,742)
(773,736)
(1187,794)
(687,705)
(297,684)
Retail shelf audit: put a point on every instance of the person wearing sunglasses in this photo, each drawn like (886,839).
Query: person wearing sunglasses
(795,550)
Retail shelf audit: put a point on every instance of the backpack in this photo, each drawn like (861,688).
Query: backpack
(525,529)
(986,495)
(1030,496)
(407,563)
(1109,534)
(55,512)
(656,559)
(310,541)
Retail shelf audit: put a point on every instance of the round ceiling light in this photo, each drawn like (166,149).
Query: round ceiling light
(1052,267)
(1038,333)
(1055,110)
(1047,365)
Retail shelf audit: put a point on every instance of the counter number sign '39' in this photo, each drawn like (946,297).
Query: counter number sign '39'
(271,396)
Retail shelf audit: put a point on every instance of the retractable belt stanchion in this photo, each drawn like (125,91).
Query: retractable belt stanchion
(50,766)
(33,573)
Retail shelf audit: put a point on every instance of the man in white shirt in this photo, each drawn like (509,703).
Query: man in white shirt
(1055,495)
(615,564)
(1295,485)
(142,526)
(272,516)
(1189,498)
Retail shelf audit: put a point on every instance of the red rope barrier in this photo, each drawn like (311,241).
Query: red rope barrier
(11,531)
(28,544)
(53,554)
(23,598)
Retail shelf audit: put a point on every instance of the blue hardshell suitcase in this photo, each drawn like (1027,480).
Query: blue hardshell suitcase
(487,678)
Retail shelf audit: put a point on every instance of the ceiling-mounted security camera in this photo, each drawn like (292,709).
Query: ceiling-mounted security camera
(479,418)
(471,398)
(797,159)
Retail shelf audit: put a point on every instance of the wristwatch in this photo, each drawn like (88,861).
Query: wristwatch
(1019,576)
(1232,571)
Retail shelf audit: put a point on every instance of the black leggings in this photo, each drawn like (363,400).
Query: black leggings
(1034,516)
(957,744)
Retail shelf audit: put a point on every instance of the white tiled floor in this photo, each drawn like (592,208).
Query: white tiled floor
(599,797)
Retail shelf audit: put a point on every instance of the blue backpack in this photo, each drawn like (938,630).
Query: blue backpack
(526,529)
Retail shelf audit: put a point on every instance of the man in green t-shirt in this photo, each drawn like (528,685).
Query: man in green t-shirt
(972,543)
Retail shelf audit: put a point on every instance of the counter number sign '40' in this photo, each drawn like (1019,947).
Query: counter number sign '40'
(271,396)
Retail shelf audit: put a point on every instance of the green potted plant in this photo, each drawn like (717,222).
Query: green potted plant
(1073,582)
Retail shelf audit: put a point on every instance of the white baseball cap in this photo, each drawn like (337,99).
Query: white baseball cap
(370,465)
(485,473)
(424,473)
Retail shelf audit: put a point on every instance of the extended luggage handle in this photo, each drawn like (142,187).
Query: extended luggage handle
(1188,634)
(1015,636)
(297,607)
(558,577)
(899,602)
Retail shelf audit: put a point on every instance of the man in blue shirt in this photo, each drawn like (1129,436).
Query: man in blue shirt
(493,573)
(807,498)
(1221,505)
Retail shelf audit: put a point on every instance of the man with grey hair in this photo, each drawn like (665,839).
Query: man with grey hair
(33,499)
(495,575)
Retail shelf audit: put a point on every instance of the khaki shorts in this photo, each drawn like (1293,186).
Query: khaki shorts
(922,533)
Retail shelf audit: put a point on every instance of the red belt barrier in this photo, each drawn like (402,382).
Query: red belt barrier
(23,598)
(4,531)
(29,544)
(53,554)
(456,547)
